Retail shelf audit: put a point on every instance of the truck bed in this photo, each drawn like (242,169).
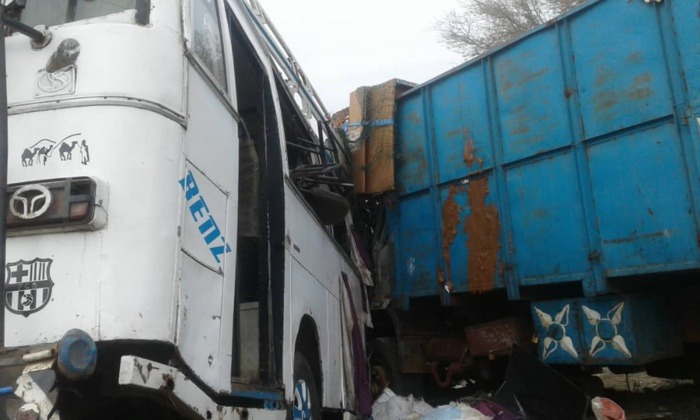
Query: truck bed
(569,155)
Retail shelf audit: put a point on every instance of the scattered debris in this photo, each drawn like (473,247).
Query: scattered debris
(390,406)
(607,409)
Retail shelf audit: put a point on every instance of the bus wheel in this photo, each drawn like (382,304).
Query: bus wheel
(307,404)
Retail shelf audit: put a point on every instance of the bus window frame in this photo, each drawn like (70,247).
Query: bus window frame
(196,61)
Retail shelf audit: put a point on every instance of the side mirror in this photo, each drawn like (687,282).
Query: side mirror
(330,207)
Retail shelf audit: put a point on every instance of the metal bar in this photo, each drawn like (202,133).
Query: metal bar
(3,172)
(143,12)
(594,281)
(510,270)
(320,141)
(308,149)
(311,143)
(70,12)
(297,69)
(20,27)
(288,63)
(314,168)
(328,179)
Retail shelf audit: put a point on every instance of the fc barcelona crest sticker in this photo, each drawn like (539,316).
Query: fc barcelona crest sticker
(28,285)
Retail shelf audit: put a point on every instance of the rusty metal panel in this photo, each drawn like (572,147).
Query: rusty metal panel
(559,158)
(685,18)
(525,71)
(549,233)
(460,114)
(416,262)
(447,350)
(412,356)
(623,83)
(496,338)
(411,157)
(644,215)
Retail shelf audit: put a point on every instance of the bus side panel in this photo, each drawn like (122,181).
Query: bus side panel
(314,284)
(209,188)
(116,282)
(116,60)
(139,286)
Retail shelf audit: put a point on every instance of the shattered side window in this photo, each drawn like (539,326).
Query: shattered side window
(57,12)
(207,42)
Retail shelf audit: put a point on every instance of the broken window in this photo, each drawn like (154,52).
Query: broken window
(206,40)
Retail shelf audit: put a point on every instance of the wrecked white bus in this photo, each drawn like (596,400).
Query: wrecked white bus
(178,243)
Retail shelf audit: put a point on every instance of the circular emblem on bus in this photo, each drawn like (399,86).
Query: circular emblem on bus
(30,201)
(28,285)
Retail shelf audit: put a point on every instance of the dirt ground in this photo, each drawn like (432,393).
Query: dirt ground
(646,397)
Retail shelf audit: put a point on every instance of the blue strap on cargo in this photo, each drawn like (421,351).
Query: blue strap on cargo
(375,123)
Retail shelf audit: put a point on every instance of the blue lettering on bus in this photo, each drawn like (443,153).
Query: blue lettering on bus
(208,229)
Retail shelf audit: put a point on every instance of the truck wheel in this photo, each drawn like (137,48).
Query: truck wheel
(384,363)
(307,404)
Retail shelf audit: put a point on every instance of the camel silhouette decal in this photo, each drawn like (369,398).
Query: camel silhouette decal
(66,151)
(41,151)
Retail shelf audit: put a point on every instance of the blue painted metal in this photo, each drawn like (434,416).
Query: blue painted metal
(611,330)
(77,355)
(267,396)
(590,149)
(6,391)
(302,404)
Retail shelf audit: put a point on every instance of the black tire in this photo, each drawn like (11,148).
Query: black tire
(384,362)
(383,353)
(303,377)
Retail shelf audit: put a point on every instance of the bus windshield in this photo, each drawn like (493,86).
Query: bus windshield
(56,12)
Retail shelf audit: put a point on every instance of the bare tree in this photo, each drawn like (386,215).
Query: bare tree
(477,26)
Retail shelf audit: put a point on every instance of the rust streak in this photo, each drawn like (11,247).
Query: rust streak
(483,232)
(636,237)
(469,152)
(441,277)
(450,222)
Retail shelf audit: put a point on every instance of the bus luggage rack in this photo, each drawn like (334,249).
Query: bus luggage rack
(331,157)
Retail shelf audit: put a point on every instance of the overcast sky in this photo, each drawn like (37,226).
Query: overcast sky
(342,45)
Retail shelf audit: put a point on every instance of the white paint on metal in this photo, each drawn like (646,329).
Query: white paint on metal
(61,82)
(204,234)
(31,393)
(314,282)
(31,206)
(144,373)
(199,326)
(79,101)
(211,147)
(559,338)
(105,53)
(612,337)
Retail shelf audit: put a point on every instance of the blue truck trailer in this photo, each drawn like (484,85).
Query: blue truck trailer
(549,193)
